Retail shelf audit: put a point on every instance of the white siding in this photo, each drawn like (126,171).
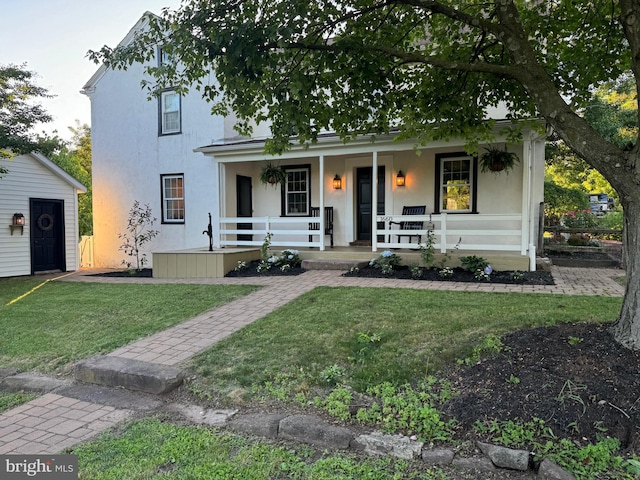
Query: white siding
(28,178)
(129,156)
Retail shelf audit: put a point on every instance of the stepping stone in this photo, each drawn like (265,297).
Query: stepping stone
(131,374)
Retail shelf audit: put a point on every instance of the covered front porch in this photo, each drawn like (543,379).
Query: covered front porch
(348,200)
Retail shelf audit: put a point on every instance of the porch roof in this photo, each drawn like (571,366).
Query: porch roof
(252,149)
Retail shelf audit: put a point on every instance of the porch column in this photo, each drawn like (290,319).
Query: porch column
(321,202)
(374,202)
(526,195)
(216,213)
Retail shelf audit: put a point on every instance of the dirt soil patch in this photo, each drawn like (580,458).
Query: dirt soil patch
(575,377)
(142,273)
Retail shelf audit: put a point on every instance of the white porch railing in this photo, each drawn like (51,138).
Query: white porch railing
(286,231)
(457,231)
(451,231)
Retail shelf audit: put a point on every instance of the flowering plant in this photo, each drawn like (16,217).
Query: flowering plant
(580,219)
(446,272)
(386,262)
(484,273)
(242,265)
(287,260)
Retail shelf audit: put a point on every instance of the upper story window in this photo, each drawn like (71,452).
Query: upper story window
(172,190)
(296,191)
(163,57)
(456,183)
(170,112)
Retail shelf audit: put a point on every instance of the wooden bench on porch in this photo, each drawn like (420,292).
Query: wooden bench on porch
(407,226)
(328,222)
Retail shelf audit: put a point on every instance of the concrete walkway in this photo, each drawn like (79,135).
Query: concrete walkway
(62,418)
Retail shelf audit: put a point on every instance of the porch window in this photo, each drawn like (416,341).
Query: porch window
(296,192)
(172,198)
(456,177)
(170,116)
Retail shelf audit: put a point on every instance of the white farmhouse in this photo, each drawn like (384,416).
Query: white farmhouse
(172,154)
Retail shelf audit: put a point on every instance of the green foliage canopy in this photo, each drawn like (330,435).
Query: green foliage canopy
(19,110)
(428,68)
(75,159)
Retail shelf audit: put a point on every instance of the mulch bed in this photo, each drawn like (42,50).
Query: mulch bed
(459,275)
(575,377)
(252,271)
(143,273)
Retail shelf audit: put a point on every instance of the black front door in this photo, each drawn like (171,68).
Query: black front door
(47,235)
(364,199)
(244,205)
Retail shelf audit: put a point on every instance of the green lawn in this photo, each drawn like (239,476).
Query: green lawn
(61,322)
(377,335)
(360,336)
(153,449)
(10,400)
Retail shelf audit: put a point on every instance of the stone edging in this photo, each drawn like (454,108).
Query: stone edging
(315,431)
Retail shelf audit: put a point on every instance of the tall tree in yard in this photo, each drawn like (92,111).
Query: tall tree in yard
(20,111)
(75,159)
(428,68)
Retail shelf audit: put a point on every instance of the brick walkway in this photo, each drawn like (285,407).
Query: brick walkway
(53,422)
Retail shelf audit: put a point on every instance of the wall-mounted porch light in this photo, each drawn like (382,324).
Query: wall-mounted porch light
(337,182)
(17,222)
(400,179)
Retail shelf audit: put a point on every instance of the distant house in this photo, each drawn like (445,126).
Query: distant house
(185,163)
(38,217)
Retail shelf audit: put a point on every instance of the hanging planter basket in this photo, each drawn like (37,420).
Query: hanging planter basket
(496,160)
(272,175)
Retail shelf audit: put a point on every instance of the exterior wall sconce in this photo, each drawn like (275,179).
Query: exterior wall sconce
(18,222)
(400,179)
(337,182)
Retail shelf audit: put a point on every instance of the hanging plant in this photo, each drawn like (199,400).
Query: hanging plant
(272,174)
(496,160)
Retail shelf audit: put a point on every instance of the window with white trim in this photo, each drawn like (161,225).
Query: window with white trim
(172,198)
(170,121)
(456,189)
(296,191)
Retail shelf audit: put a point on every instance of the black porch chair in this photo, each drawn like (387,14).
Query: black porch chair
(408,226)
(328,222)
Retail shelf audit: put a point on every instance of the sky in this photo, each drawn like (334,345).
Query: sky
(53,37)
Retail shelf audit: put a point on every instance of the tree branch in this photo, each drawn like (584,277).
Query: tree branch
(406,58)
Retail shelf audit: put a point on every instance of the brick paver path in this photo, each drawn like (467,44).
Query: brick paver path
(53,422)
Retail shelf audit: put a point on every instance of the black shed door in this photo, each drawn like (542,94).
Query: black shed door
(47,235)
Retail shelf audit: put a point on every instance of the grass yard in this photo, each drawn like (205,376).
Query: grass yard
(11,400)
(325,342)
(153,449)
(378,335)
(61,322)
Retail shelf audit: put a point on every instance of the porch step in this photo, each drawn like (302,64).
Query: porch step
(360,243)
(346,265)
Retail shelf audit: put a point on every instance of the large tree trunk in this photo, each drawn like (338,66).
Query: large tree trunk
(626,330)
